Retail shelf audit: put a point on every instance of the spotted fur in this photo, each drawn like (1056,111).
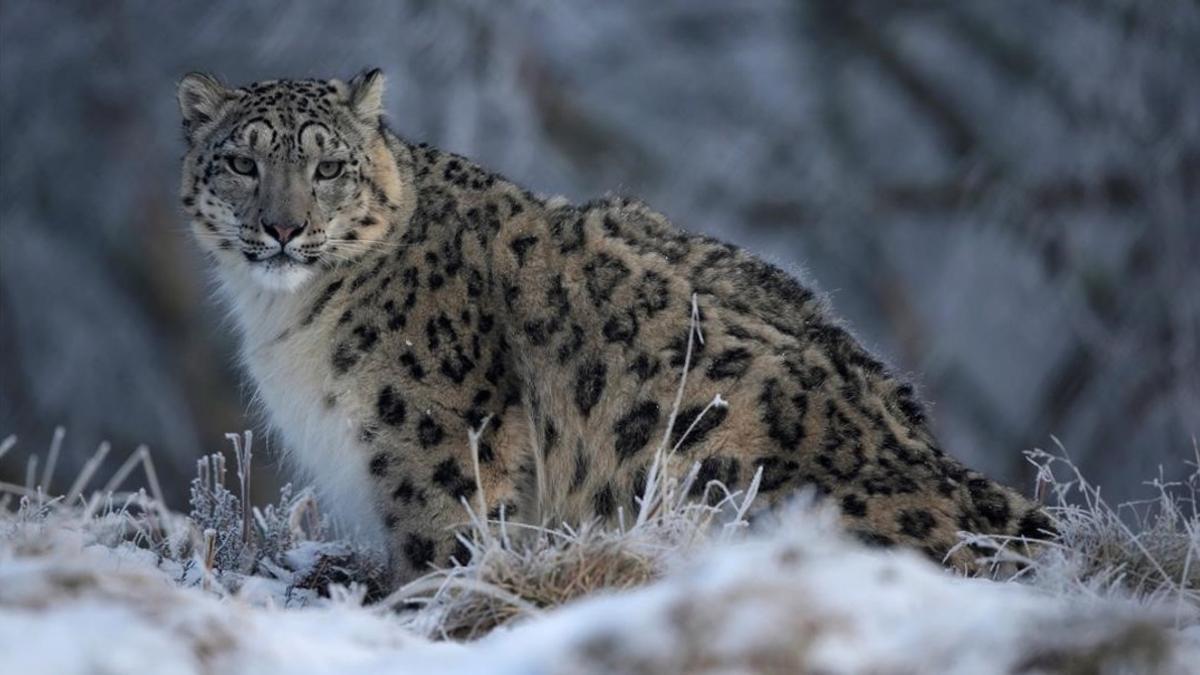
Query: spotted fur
(422,295)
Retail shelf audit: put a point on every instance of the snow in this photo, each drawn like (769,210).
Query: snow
(795,597)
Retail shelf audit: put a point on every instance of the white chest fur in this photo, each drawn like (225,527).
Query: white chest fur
(294,381)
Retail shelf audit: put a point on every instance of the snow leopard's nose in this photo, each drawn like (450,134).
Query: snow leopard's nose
(282,232)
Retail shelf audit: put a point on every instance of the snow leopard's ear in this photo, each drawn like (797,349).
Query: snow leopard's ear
(365,95)
(201,98)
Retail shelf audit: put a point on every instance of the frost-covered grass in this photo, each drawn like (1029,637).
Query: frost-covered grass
(222,543)
(1148,550)
(114,582)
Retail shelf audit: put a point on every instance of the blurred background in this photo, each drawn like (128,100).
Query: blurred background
(1001,197)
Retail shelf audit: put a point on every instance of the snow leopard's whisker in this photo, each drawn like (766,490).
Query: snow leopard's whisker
(364,244)
(339,256)
(358,249)
(339,261)
(333,262)
(359,240)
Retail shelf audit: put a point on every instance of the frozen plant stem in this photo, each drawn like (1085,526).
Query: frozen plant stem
(89,468)
(52,457)
(243,453)
(658,467)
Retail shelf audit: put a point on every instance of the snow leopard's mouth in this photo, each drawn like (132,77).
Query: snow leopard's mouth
(280,260)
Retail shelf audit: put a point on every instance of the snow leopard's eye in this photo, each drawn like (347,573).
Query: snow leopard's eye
(242,165)
(329,170)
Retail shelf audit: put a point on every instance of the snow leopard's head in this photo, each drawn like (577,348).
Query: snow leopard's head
(282,178)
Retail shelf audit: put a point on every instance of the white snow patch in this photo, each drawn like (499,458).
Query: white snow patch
(798,598)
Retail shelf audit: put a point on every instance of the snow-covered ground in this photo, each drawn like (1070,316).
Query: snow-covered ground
(86,593)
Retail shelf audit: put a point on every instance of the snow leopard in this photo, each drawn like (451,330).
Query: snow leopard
(392,298)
